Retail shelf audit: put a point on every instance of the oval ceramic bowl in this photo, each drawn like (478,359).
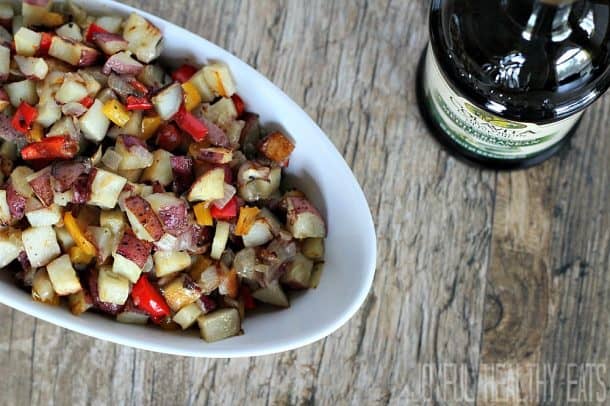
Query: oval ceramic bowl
(317,168)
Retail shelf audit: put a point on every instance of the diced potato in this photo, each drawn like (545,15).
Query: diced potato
(10,247)
(71,31)
(313,248)
(129,317)
(46,216)
(145,40)
(167,102)
(113,220)
(221,237)
(316,275)
(65,238)
(179,293)
(168,262)
(79,302)
(229,283)
(92,80)
(19,181)
(259,234)
(71,91)
(40,245)
(222,113)
(74,53)
(103,240)
(134,157)
(134,125)
(94,124)
(49,112)
(63,276)
(160,170)
(112,159)
(298,273)
(33,68)
(219,324)
(218,77)
(5,62)
(42,288)
(234,130)
(161,201)
(132,175)
(39,13)
(144,222)
(112,288)
(127,268)
(24,91)
(167,243)
(303,220)
(121,62)
(5,212)
(209,279)
(188,315)
(214,155)
(255,184)
(277,147)
(62,199)
(64,126)
(27,41)
(198,80)
(105,189)
(110,23)
(272,294)
(209,186)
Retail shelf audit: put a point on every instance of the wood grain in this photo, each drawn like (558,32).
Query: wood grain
(474,267)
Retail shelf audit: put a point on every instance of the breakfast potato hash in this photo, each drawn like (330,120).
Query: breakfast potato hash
(148,194)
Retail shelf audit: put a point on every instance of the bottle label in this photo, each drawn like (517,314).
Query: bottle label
(484,133)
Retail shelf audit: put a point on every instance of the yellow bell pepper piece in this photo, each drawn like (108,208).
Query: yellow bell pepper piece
(79,256)
(116,112)
(150,125)
(77,235)
(203,215)
(247,216)
(192,98)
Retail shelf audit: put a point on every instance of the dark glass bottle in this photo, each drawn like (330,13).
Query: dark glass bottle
(505,82)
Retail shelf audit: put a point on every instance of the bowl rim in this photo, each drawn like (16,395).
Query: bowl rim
(14,298)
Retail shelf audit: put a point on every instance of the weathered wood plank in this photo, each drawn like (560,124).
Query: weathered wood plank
(547,286)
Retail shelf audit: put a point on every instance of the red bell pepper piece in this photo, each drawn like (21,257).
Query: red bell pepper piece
(45,44)
(249,303)
(148,298)
(190,124)
(92,30)
(184,73)
(57,147)
(87,101)
(139,86)
(24,117)
(239,104)
(138,103)
(228,212)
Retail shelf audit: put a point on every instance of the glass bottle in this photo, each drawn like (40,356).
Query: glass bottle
(505,82)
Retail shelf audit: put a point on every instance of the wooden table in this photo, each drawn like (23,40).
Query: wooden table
(484,279)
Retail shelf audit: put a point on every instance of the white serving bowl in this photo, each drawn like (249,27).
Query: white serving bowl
(316,167)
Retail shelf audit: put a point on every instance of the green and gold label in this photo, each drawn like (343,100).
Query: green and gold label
(482,132)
